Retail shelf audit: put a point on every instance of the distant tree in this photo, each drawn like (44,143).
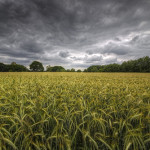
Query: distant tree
(36,66)
(85,70)
(13,63)
(3,67)
(144,64)
(55,69)
(94,68)
(79,70)
(58,69)
(72,70)
(101,69)
(68,70)
(12,68)
(16,68)
(139,65)
(48,68)
(111,68)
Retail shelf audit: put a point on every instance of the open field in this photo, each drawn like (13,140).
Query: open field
(65,111)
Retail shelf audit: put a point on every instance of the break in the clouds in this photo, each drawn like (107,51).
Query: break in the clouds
(74,33)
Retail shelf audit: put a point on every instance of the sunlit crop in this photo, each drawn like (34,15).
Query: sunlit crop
(74,111)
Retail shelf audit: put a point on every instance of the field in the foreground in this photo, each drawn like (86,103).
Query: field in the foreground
(73,111)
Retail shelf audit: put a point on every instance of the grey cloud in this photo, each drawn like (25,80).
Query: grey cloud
(90,52)
(135,39)
(93,58)
(64,54)
(110,48)
(11,51)
(33,28)
(110,60)
(116,49)
(117,39)
(31,46)
(75,58)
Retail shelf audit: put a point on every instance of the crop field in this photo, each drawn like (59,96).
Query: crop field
(74,111)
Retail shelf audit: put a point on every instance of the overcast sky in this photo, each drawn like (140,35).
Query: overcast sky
(74,33)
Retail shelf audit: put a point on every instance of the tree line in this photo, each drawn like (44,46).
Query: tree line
(13,67)
(35,66)
(138,65)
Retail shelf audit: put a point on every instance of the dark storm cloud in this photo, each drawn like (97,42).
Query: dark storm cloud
(116,49)
(31,46)
(93,59)
(63,54)
(74,32)
(110,48)
(134,39)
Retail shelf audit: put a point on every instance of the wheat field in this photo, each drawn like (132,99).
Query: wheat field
(74,111)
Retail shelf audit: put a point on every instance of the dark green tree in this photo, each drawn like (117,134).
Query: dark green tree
(13,63)
(3,67)
(72,70)
(85,70)
(68,70)
(49,68)
(79,70)
(138,65)
(16,68)
(94,68)
(55,69)
(36,66)
(13,67)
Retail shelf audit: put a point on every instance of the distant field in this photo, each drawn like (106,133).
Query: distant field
(74,111)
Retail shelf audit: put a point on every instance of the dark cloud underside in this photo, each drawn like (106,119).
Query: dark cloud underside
(74,33)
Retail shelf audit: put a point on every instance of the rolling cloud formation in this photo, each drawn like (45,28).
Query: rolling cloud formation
(74,33)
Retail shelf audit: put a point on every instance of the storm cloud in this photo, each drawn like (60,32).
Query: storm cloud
(74,33)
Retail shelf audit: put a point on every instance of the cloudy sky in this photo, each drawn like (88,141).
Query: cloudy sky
(74,33)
